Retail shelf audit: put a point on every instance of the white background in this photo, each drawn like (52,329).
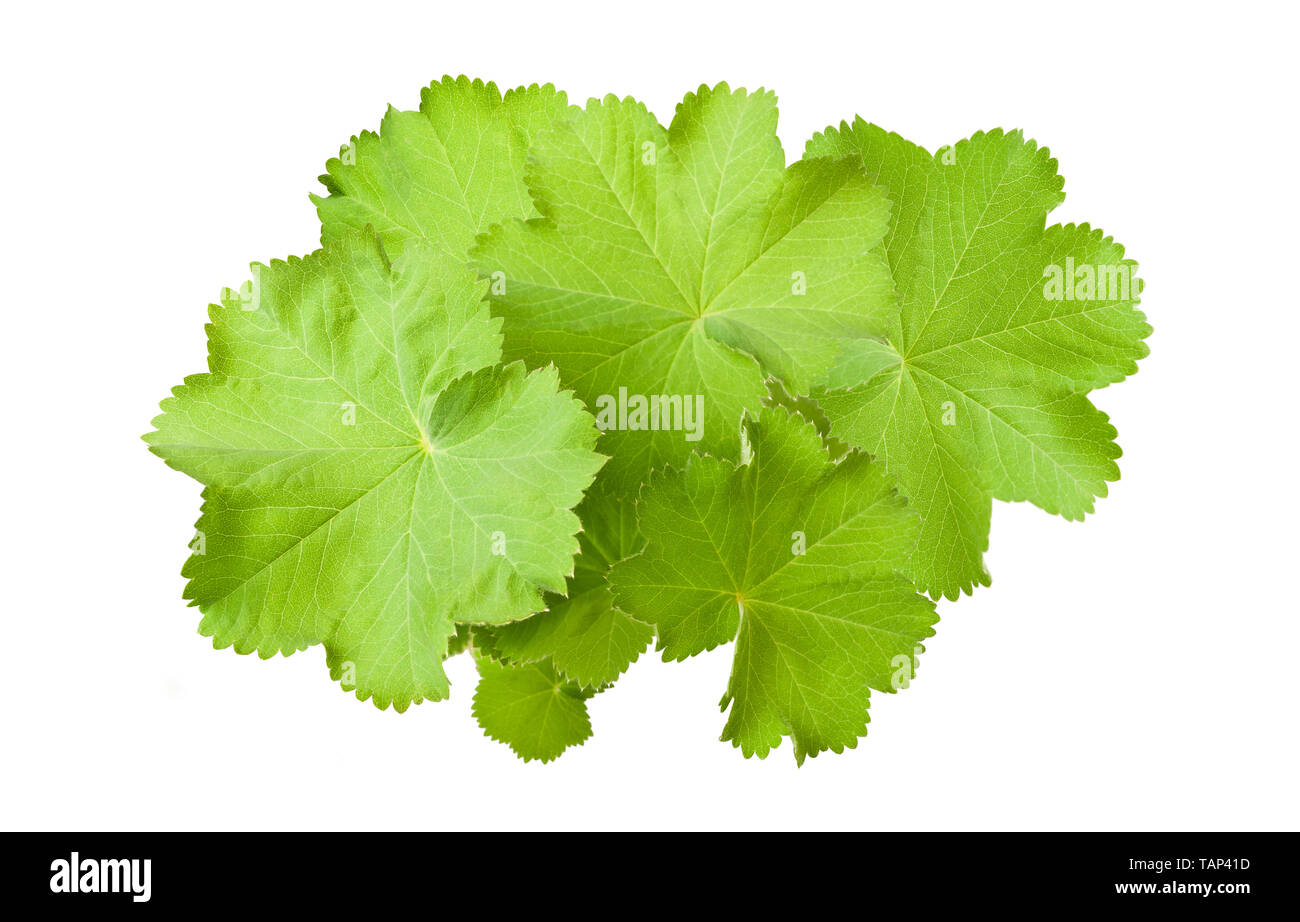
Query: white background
(1133,672)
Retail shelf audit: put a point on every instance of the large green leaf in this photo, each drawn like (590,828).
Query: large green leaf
(689,263)
(373,476)
(979,390)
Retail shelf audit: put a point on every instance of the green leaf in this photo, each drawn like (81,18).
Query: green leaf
(979,391)
(443,174)
(689,262)
(373,476)
(531,709)
(796,558)
(583,636)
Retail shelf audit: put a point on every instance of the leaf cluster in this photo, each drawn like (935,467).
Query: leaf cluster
(564,382)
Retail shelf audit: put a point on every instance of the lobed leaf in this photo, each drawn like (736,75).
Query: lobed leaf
(978,391)
(373,477)
(797,559)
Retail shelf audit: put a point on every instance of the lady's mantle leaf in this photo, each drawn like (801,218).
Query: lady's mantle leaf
(794,557)
(443,174)
(688,262)
(531,709)
(373,476)
(979,391)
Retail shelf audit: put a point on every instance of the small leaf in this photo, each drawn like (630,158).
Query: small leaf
(531,709)
(443,174)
